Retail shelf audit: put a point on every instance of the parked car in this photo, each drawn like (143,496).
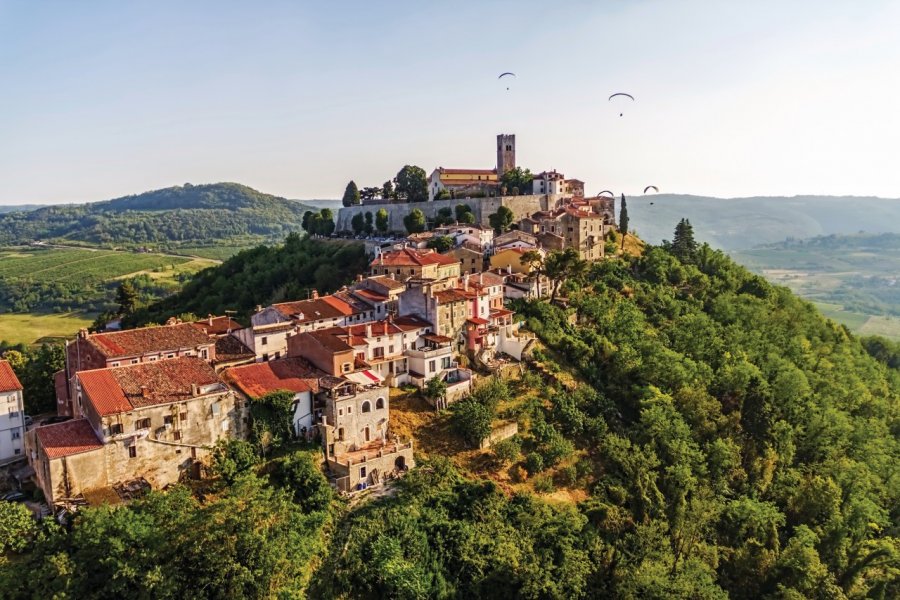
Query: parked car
(28,421)
(56,419)
(14,496)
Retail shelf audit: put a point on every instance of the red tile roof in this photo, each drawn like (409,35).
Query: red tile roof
(259,379)
(8,380)
(66,439)
(121,389)
(387,282)
(217,325)
(326,307)
(410,257)
(468,182)
(145,340)
(445,296)
(444,171)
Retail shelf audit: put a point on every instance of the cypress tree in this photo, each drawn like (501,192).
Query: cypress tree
(351,195)
(623,220)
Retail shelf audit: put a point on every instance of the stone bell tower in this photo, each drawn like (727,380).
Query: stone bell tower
(506,153)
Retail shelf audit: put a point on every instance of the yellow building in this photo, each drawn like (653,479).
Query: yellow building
(510,260)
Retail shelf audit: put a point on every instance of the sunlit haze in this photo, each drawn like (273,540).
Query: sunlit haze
(104,99)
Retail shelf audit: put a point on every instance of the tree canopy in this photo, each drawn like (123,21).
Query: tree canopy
(412,184)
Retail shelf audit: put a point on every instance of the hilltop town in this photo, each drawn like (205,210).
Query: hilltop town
(144,408)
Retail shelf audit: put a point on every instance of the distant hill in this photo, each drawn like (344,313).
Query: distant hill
(170,218)
(8,208)
(334,205)
(738,223)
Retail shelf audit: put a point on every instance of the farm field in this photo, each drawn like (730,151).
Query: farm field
(35,328)
(218,252)
(52,265)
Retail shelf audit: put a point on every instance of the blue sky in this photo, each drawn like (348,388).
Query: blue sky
(103,99)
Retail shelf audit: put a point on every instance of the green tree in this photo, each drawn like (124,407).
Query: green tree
(623,220)
(327,225)
(271,420)
(307,218)
(351,195)
(507,451)
(382,220)
(299,473)
(17,527)
(464,214)
(412,184)
(387,190)
(441,243)
(443,194)
(126,297)
(559,266)
(501,220)
(517,179)
(231,458)
(414,221)
(358,223)
(444,217)
(683,244)
(369,227)
(367,194)
(471,420)
(435,389)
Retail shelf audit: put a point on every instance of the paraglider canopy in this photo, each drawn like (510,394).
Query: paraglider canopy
(611,195)
(621,94)
(651,187)
(507,74)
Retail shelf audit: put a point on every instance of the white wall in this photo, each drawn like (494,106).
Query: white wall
(12,426)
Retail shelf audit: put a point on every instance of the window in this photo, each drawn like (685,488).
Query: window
(183,417)
(391,349)
(18,451)
(204,353)
(114,364)
(153,358)
(362,472)
(142,424)
(16,434)
(340,412)
(345,367)
(264,341)
(265,357)
(445,362)
(379,404)
(349,410)
(340,434)
(177,436)
(13,414)
(170,356)
(378,352)
(277,355)
(366,407)
(167,420)
(135,361)
(431,366)
(115,429)
(132,451)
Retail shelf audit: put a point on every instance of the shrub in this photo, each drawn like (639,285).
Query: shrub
(230,458)
(544,485)
(534,463)
(508,450)
(299,473)
(471,420)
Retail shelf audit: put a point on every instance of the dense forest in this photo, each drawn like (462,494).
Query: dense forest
(261,276)
(168,218)
(726,440)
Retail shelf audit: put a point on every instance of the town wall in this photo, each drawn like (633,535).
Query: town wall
(482,208)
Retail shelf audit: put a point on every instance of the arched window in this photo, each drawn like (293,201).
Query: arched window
(379,404)
(366,406)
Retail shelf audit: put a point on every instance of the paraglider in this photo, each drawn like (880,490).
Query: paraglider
(611,195)
(507,74)
(621,94)
(651,187)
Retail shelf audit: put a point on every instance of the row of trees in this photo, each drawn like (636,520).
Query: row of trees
(409,185)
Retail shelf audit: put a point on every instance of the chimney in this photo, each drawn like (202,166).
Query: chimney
(359,278)
(195,389)
(466,281)
(210,317)
(369,330)
(509,269)
(259,308)
(315,294)
(83,333)
(145,391)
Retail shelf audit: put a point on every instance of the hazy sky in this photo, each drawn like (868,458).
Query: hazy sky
(103,99)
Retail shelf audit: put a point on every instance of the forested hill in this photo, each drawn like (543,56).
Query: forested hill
(737,223)
(261,276)
(168,218)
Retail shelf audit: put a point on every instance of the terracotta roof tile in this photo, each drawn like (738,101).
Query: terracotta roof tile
(259,379)
(217,325)
(121,389)
(410,257)
(148,339)
(387,282)
(8,380)
(446,296)
(326,307)
(66,439)
(230,349)
(444,171)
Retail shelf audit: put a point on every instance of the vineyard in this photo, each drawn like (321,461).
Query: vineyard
(62,279)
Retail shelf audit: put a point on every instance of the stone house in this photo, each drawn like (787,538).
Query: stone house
(470,261)
(272,325)
(287,374)
(463,183)
(463,234)
(12,415)
(510,260)
(408,263)
(445,309)
(134,346)
(153,420)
